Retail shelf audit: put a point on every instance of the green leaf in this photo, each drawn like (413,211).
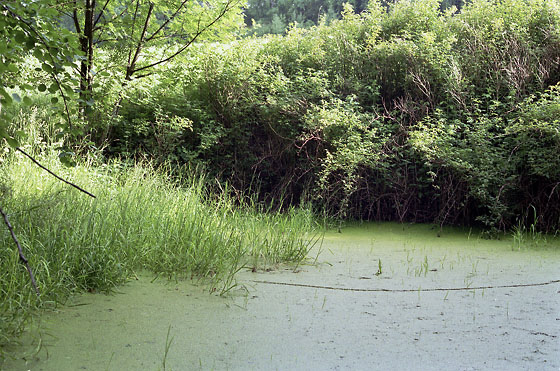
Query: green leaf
(12,142)
(47,68)
(67,158)
(30,43)
(54,100)
(7,100)
(42,87)
(20,37)
(37,53)
(68,89)
(76,131)
(27,101)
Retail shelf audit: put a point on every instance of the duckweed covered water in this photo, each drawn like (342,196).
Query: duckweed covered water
(327,322)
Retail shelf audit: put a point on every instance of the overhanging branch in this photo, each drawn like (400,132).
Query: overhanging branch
(53,174)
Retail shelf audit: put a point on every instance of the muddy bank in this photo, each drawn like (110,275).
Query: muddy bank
(336,317)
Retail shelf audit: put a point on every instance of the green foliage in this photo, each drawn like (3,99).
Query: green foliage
(352,141)
(397,113)
(402,112)
(275,17)
(535,135)
(64,40)
(32,31)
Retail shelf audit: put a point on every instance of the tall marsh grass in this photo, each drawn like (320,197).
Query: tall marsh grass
(140,220)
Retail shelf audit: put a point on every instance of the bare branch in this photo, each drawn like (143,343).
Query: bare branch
(22,257)
(75,18)
(132,31)
(132,63)
(101,12)
(113,18)
(53,174)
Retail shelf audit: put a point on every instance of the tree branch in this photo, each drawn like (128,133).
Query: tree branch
(48,49)
(76,20)
(130,68)
(132,32)
(184,47)
(101,12)
(113,18)
(167,21)
(22,257)
(53,174)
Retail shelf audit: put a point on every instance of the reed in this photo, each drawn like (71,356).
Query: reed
(141,219)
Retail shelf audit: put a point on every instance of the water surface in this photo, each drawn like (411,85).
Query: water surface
(336,318)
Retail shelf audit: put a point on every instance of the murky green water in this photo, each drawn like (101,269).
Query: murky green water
(276,326)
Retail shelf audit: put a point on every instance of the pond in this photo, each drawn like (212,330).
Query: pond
(379,296)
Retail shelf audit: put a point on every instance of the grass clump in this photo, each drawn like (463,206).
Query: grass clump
(141,219)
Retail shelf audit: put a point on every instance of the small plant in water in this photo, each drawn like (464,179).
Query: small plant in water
(379,268)
(521,235)
(518,236)
(168,342)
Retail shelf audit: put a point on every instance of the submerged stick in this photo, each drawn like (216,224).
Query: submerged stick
(53,174)
(22,257)
(407,290)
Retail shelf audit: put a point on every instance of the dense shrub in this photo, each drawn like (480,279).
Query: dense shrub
(140,220)
(406,113)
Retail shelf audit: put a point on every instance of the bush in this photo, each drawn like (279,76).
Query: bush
(405,113)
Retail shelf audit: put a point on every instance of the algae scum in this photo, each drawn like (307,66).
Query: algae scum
(380,296)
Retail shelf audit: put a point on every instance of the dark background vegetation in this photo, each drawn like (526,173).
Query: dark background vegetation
(270,16)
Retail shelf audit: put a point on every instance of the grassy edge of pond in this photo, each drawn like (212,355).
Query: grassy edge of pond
(142,219)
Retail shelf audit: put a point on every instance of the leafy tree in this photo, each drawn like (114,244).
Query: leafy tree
(130,28)
(31,29)
(68,38)
(398,113)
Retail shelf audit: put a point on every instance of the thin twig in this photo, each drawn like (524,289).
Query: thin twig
(164,24)
(227,7)
(22,257)
(408,290)
(53,174)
